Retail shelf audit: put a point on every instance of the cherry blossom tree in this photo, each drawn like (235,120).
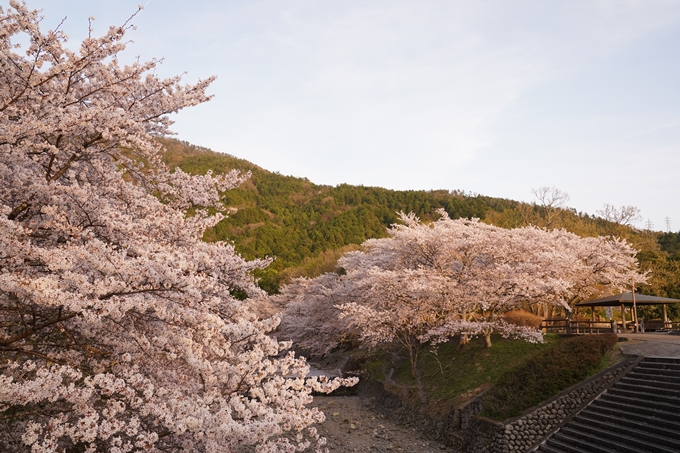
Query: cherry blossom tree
(436,281)
(311,319)
(427,283)
(536,266)
(118,330)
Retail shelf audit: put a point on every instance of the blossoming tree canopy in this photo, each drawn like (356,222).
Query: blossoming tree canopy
(118,331)
(458,276)
(427,283)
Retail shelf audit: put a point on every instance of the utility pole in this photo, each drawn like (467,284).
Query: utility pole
(649,226)
(632,292)
(668,224)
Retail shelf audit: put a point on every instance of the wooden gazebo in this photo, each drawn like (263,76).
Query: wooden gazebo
(631,300)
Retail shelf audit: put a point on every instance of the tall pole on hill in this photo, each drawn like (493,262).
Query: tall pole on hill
(637,326)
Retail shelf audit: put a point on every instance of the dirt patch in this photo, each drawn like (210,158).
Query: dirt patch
(354,425)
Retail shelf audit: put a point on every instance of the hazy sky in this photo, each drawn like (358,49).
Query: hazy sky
(491,97)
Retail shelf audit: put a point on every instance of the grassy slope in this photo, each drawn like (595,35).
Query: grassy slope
(522,374)
(548,373)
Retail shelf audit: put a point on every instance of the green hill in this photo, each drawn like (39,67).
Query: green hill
(308,226)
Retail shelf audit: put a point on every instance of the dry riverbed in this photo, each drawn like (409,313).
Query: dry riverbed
(352,425)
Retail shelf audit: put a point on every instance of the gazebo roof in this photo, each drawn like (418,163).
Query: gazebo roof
(627,299)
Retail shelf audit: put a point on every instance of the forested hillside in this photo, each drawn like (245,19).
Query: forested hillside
(308,226)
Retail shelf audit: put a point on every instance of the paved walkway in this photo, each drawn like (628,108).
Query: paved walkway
(650,344)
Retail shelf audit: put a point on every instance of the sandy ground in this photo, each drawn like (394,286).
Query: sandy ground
(352,425)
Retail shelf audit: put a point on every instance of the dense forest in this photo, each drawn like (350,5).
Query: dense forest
(306,226)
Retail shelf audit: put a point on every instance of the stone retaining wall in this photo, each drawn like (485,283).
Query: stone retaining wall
(393,404)
(481,435)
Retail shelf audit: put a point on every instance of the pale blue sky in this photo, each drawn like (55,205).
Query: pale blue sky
(491,97)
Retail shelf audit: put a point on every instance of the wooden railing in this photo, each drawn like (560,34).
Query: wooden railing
(565,325)
(651,325)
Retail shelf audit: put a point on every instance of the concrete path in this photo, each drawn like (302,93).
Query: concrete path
(651,344)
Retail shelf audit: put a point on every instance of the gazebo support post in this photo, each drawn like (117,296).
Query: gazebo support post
(665,317)
(623,319)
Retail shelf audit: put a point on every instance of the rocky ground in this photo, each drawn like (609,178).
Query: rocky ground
(353,425)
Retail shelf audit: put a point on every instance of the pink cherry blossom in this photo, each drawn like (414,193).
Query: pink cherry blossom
(428,282)
(118,330)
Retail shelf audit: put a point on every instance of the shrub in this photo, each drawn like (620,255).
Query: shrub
(523,318)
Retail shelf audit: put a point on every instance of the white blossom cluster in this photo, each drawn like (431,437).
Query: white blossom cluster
(427,283)
(118,329)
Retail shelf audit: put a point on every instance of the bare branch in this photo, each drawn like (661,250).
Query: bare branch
(625,215)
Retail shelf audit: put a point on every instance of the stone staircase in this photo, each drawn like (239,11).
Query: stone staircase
(640,413)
